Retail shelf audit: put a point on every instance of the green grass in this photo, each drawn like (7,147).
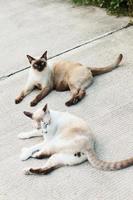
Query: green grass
(117,7)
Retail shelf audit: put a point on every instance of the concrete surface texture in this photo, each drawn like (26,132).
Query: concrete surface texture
(32,26)
(107,107)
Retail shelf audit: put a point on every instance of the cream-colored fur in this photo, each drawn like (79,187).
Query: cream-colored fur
(68,140)
(61,76)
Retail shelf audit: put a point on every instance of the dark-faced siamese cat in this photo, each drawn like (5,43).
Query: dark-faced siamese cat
(62,76)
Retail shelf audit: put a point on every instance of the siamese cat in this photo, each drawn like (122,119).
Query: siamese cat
(68,140)
(62,76)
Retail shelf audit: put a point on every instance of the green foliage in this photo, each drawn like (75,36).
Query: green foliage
(113,6)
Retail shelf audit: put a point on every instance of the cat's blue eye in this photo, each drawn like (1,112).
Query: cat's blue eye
(35,65)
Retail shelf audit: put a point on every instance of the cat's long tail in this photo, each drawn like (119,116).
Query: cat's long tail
(107,166)
(102,70)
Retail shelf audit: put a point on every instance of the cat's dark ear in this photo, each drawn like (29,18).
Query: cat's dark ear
(45,108)
(44,55)
(28,114)
(30,58)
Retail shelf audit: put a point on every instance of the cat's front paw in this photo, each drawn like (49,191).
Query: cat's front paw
(27,171)
(25,154)
(33,103)
(22,135)
(37,155)
(69,103)
(18,100)
(34,155)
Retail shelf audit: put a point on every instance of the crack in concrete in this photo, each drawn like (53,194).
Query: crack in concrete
(73,48)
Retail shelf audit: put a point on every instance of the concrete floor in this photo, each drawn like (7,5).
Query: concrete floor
(30,27)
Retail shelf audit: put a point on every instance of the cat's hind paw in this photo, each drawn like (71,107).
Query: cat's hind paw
(36,155)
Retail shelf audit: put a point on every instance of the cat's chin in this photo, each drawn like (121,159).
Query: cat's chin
(39,69)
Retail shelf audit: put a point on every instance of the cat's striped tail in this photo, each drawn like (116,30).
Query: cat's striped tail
(107,166)
(102,70)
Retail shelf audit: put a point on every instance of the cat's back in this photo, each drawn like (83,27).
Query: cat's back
(63,67)
(73,123)
(64,70)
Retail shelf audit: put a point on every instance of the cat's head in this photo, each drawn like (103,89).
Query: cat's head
(38,64)
(39,116)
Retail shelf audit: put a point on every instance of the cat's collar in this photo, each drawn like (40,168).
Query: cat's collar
(44,127)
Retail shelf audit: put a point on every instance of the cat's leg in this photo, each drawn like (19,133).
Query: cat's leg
(27,89)
(77,94)
(82,90)
(76,98)
(55,161)
(30,134)
(44,152)
(74,92)
(27,152)
(78,90)
(44,92)
(41,154)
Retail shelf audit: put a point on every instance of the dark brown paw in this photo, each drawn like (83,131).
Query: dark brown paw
(72,102)
(39,157)
(17,101)
(69,103)
(75,101)
(33,103)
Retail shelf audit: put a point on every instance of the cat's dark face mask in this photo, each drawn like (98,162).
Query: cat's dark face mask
(38,64)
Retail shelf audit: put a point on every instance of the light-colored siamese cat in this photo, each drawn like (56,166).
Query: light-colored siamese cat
(67,141)
(62,76)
